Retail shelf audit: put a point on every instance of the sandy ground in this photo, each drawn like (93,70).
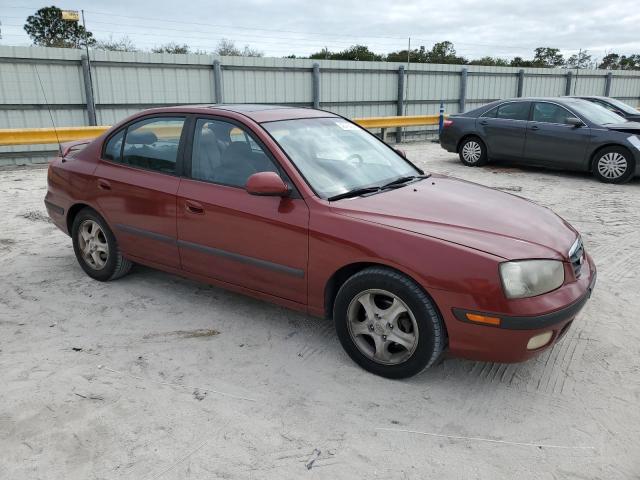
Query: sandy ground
(154,376)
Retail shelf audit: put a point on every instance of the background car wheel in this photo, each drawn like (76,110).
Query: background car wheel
(96,247)
(387,324)
(613,165)
(473,152)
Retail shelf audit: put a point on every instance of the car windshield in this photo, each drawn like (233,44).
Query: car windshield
(336,156)
(596,113)
(622,106)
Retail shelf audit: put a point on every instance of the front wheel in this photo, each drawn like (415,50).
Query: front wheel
(613,165)
(387,323)
(473,152)
(96,247)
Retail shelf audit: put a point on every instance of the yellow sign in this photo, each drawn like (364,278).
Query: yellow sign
(70,15)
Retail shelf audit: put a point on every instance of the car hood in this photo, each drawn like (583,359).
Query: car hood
(630,126)
(468,214)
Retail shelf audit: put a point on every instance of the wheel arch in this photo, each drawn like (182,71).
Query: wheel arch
(73,211)
(467,136)
(595,153)
(340,276)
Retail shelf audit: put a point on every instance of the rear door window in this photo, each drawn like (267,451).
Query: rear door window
(513,111)
(153,144)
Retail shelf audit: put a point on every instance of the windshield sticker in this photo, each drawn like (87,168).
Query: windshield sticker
(346,126)
(635,141)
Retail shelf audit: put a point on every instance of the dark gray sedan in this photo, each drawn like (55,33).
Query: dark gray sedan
(567,133)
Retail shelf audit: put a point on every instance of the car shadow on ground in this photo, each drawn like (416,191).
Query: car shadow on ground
(306,336)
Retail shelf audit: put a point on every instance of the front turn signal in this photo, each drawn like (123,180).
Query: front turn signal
(476,318)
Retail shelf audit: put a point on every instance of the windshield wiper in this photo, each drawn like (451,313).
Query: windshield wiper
(402,180)
(356,192)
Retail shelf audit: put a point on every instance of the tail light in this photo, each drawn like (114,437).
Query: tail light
(447,123)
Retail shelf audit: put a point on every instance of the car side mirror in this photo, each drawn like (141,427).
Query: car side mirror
(267,184)
(400,152)
(575,122)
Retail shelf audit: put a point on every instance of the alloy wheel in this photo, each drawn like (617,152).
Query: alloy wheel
(471,151)
(93,244)
(382,327)
(612,165)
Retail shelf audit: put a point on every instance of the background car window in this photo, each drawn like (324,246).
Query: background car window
(113,150)
(227,154)
(153,144)
(513,111)
(491,113)
(550,113)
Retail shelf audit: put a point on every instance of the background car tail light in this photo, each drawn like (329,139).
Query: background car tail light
(539,341)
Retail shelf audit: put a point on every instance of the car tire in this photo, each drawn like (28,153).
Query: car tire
(613,165)
(377,306)
(96,247)
(473,152)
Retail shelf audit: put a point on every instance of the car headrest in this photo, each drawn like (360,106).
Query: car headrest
(142,138)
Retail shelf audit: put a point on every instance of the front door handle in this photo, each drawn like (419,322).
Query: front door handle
(194,207)
(103,184)
(535,127)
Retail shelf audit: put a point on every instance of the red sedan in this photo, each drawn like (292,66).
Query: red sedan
(306,209)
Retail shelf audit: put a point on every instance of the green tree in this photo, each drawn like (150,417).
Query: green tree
(418,55)
(490,62)
(355,52)
(47,29)
(444,52)
(632,62)
(548,57)
(172,47)
(580,60)
(611,61)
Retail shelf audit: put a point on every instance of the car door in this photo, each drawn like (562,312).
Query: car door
(256,242)
(503,129)
(552,141)
(137,182)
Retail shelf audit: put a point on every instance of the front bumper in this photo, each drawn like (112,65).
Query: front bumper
(508,342)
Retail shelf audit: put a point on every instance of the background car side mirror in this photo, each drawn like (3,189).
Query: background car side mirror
(268,184)
(400,152)
(574,121)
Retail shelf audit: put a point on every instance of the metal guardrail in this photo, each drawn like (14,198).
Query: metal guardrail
(37,136)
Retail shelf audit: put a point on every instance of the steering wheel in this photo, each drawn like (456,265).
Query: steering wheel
(354,156)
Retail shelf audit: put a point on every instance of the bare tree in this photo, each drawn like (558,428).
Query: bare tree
(123,44)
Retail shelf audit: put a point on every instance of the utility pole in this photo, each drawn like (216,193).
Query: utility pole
(86,47)
(406,87)
(575,84)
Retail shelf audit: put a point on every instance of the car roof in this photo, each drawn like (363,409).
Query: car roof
(257,112)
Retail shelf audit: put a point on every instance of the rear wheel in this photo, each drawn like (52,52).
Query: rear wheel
(96,247)
(613,165)
(473,152)
(387,324)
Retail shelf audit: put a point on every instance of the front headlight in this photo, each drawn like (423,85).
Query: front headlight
(528,278)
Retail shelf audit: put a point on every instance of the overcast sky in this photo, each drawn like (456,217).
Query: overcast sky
(503,28)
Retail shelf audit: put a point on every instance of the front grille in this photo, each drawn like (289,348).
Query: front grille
(576,256)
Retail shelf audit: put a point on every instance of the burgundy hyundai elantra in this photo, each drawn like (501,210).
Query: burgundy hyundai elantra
(305,209)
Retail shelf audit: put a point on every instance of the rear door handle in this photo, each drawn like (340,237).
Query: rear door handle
(535,127)
(484,122)
(103,184)
(194,207)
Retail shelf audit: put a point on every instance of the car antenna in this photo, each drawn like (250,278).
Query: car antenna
(53,123)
